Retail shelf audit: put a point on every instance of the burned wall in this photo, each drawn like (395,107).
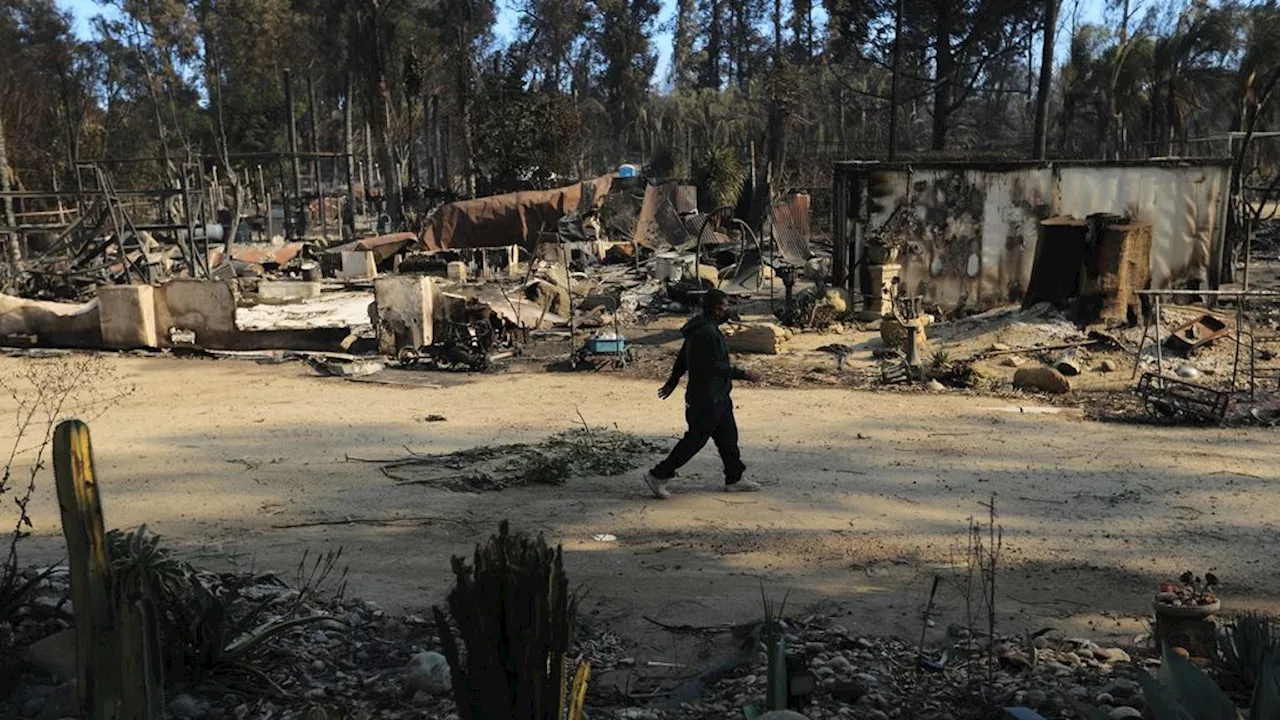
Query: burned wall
(967,232)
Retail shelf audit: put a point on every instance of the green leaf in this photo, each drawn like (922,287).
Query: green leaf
(1161,704)
(1194,690)
(266,632)
(1266,696)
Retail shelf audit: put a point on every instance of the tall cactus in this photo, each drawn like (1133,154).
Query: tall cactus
(515,617)
(116,644)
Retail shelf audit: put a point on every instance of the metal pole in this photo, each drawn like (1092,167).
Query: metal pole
(1159,352)
(295,231)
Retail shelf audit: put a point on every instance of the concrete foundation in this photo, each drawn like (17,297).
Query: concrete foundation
(207,309)
(127,317)
(358,265)
(404,310)
(283,292)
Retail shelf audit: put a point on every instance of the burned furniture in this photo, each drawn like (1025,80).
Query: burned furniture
(1173,398)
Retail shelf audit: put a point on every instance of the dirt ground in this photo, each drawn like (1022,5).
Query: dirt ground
(866,495)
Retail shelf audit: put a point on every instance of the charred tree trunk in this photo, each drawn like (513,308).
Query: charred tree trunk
(895,92)
(945,62)
(465,99)
(682,45)
(1041,143)
(715,45)
(13,242)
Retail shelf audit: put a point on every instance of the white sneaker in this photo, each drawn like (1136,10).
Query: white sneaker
(742,486)
(657,485)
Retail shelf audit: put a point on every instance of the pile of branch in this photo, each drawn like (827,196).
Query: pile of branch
(581,452)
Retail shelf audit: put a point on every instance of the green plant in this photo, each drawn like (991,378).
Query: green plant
(941,360)
(142,568)
(719,173)
(1249,646)
(1181,691)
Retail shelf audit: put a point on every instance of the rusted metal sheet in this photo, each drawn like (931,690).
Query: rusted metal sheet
(790,223)
(968,231)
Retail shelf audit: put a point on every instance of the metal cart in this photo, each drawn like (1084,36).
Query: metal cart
(597,352)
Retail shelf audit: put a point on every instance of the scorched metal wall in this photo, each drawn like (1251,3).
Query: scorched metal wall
(969,230)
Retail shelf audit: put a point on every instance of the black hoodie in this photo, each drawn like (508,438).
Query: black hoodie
(705,356)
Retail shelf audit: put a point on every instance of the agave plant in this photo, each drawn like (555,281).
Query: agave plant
(1249,645)
(1181,691)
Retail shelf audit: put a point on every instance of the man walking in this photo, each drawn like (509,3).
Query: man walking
(708,407)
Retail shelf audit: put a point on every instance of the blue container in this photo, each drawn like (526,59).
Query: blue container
(598,346)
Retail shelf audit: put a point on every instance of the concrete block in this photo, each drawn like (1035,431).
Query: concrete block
(204,308)
(881,277)
(127,316)
(282,292)
(358,265)
(404,311)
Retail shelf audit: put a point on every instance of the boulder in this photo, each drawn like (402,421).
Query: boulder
(428,672)
(1044,379)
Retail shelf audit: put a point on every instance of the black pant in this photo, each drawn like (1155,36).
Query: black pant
(707,421)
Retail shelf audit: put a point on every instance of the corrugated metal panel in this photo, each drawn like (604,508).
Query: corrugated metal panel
(786,221)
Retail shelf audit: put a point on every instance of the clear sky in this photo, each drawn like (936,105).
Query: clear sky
(1087,11)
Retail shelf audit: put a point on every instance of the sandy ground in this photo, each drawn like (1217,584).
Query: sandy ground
(866,495)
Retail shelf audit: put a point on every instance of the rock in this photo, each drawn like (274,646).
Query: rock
(1120,687)
(64,701)
(783,715)
(1036,698)
(1112,655)
(867,679)
(813,648)
(188,707)
(934,386)
(1107,366)
(1105,699)
(55,655)
(1079,692)
(428,672)
(848,691)
(1187,371)
(1000,347)
(874,714)
(1044,379)
(1041,643)
(1014,361)
(1181,651)
(1124,712)
(1068,366)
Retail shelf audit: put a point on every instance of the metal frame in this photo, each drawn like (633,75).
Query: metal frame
(1241,298)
